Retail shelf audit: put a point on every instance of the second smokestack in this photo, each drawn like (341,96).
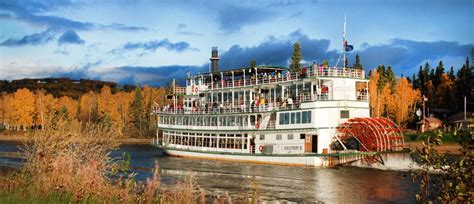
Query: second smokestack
(214,60)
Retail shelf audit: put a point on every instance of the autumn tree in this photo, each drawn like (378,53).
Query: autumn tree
(67,105)
(88,108)
(385,100)
(44,104)
(107,109)
(296,58)
(444,95)
(374,92)
(24,107)
(402,102)
(137,112)
(124,102)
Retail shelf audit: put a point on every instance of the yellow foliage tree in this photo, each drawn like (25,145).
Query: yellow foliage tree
(108,109)
(44,105)
(24,107)
(401,104)
(66,102)
(124,102)
(88,110)
(374,93)
(386,98)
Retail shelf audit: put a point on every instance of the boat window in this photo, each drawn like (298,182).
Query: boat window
(302,136)
(287,118)
(298,117)
(290,136)
(278,137)
(282,119)
(344,113)
(262,137)
(293,116)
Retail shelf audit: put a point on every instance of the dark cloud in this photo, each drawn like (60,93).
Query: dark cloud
(232,18)
(33,12)
(155,76)
(277,51)
(405,55)
(151,46)
(70,37)
(33,39)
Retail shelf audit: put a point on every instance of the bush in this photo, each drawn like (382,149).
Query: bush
(67,165)
(442,177)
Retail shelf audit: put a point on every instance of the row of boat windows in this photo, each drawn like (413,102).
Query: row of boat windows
(280,137)
(295,118)
(241,120)
(226,141)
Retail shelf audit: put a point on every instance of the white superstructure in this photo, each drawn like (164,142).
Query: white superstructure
(259,112)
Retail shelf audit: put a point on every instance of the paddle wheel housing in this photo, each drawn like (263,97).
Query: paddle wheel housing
(373,134)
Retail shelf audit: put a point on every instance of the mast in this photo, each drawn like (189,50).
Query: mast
(344,42)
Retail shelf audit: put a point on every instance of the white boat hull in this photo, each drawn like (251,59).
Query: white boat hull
(312,160)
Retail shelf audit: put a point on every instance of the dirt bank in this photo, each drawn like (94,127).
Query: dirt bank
(20,136)
(452,148)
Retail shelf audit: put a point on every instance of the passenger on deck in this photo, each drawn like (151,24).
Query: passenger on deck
(303,72)
(290,102)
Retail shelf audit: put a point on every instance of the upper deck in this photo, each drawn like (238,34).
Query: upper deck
(263,75)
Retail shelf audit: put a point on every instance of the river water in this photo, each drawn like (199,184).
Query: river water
(360,182)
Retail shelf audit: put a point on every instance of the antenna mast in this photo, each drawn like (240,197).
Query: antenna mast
(344,41)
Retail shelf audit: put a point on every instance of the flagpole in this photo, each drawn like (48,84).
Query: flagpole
(344,40)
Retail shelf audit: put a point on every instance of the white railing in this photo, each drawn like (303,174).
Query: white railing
(289,76)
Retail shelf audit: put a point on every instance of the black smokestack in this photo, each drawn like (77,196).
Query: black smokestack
(214,60)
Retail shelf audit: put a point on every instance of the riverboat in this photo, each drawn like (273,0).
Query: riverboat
(318,116)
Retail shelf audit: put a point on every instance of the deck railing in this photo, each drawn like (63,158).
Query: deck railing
(289,76)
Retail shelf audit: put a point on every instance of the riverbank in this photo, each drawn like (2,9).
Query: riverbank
(452,148)
(20,136)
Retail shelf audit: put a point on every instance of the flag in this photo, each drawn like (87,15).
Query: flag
(349,48)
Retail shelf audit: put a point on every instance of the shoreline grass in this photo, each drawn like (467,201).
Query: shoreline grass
(68,164)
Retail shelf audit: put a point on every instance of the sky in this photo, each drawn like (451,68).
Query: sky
(149,42)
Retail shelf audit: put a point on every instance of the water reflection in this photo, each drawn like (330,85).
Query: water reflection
(343,184)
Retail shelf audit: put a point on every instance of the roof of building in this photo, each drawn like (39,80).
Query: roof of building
(431,120)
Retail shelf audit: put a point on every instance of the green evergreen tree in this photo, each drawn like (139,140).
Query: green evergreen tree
(464,85)
(390,77)
(425,79)
(137,112)
(253,63)
(296,58)
(451,73)
(439,71)
(357,64)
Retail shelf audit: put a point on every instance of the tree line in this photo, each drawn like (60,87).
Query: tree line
(445,90)
(127,112)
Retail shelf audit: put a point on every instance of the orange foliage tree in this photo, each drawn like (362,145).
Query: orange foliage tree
(44,104)
(374,93)
(107,108)
(88,107)
(24,107)
(400,107)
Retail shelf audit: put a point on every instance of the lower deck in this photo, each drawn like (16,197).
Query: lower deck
(256,142)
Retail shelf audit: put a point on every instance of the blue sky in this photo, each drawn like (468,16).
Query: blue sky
(149,42)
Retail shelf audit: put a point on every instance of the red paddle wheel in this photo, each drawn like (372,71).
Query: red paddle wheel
(373,134)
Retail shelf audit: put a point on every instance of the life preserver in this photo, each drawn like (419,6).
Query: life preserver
(257,125)
(196,89)
(260,148)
